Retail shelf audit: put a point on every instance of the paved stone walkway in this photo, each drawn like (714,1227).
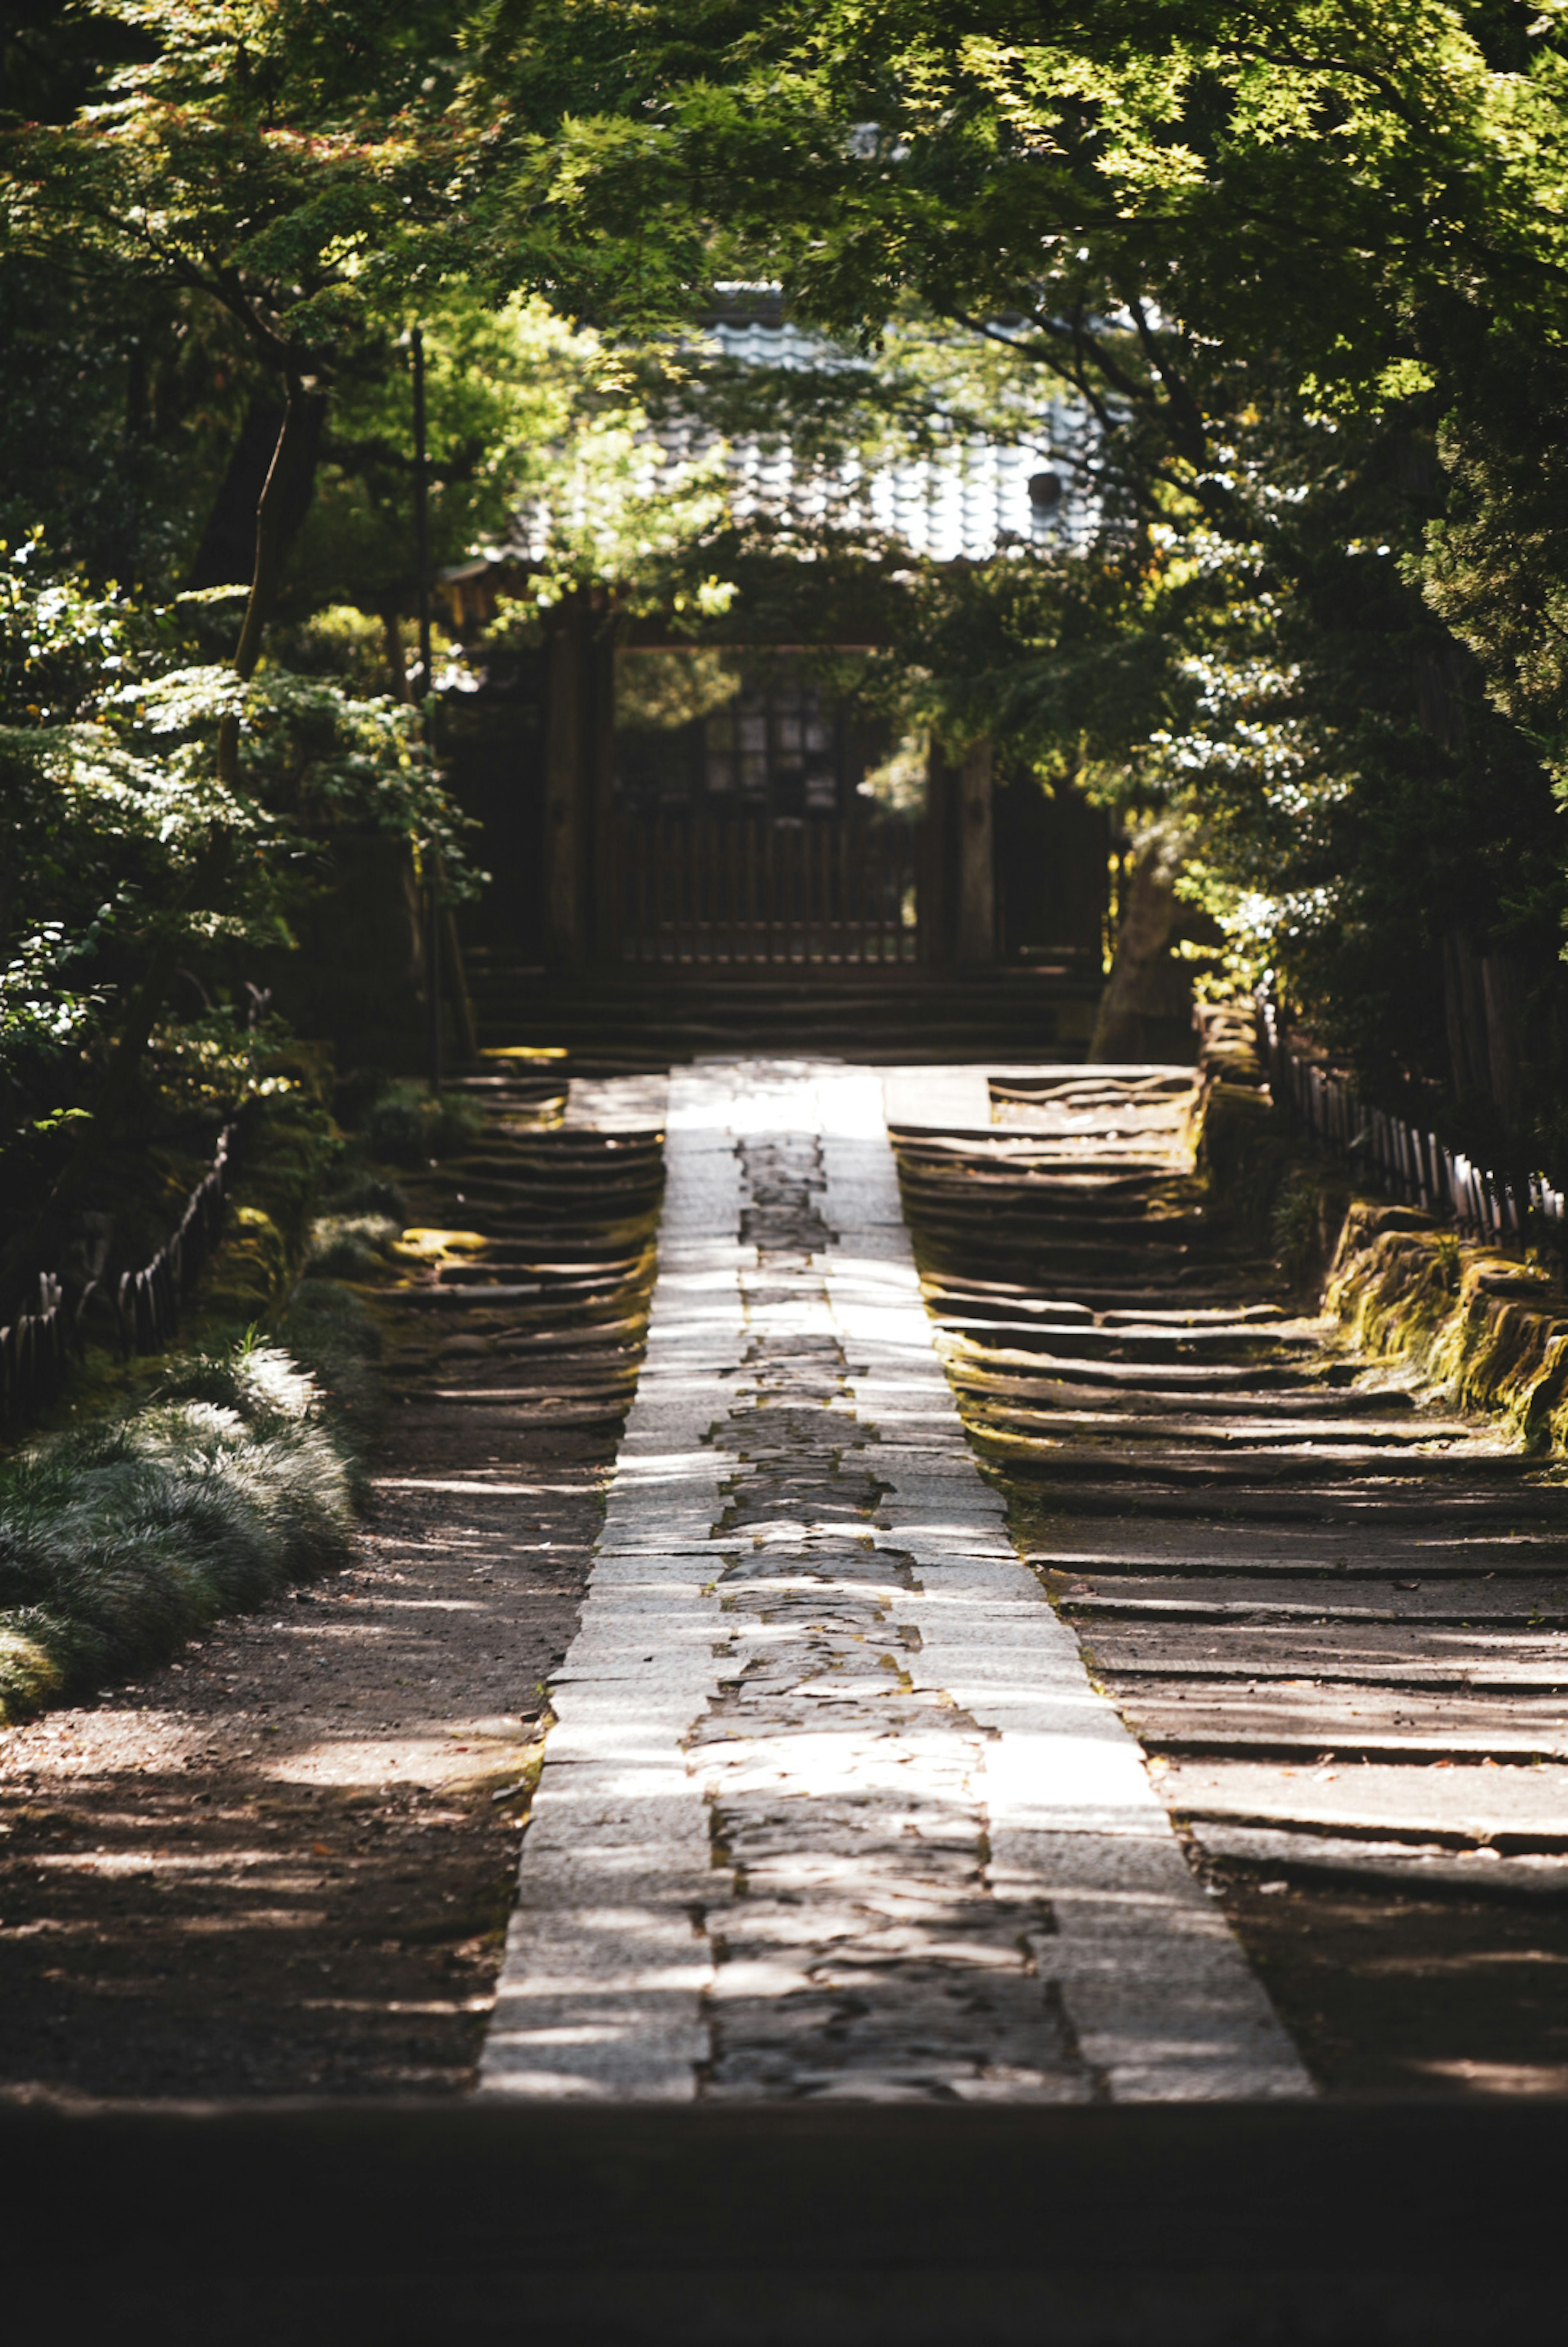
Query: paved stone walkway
(831,1807)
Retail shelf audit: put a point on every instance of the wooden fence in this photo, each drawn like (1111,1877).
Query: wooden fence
(1412,1161)
(141,1307)
(751,889)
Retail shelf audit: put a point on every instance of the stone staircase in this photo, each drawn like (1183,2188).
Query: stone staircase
(622,1022)
(1331,1607)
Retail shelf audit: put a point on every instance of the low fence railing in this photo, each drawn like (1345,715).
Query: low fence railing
(1414,1162)
(142,1306)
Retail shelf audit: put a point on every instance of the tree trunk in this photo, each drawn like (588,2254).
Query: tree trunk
(1146,1012)
(976,939)
(227,554)
(1502,991)
(1465,1017)
(465,1031)
(279,513)
(279,510)
(397,665)
(568,805)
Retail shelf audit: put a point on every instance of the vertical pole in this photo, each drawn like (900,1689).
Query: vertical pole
(603,814)
(940,848)
(976,859)
(426,693)
(566,752)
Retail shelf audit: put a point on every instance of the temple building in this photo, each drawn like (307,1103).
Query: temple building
(649,801)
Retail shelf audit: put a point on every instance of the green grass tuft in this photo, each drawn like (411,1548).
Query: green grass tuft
(332,1333)
(120,1541)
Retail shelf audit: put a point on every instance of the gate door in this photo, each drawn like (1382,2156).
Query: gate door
(753,888)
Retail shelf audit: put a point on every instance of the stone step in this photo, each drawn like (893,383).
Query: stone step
(1222,1432)
(1165,1377)
(1509,1808)
(1516,1601)
(1300,1404)
(1355,1725)
(1355,1506)
(1405,1654)
(1331,1555)
(992,1302)
(1132,1341)
(1395,1479)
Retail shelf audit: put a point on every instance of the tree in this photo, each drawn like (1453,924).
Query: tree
(278,166)
(258,180)
(127,860)
(1269,250)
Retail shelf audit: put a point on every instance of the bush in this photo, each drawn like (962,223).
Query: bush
(408,1126)
(258,1382)
(357,1191)
(351,1246)
(119,1541)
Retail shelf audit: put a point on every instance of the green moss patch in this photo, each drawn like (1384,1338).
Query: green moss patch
(1488,1328)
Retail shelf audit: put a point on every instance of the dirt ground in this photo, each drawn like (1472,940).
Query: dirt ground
(1388,1994)
(283,1864)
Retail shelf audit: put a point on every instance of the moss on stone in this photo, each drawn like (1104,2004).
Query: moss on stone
(1491,1329)
(29,1677)
(1486,1326)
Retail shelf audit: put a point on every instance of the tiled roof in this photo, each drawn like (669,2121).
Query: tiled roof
(973,499)
(961,504)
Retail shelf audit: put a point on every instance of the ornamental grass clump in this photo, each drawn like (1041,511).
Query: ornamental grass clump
(406,1125)
(351,1246)
(120,1541)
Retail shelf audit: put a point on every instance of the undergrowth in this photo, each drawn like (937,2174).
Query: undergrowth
(1295,1226)
(237,1477)
(225,1474)
(352,1246)
(406,1125)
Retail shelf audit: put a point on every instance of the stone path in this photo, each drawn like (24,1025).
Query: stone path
(831,1809)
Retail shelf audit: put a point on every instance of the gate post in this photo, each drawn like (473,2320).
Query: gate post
(599,794)
(976,938)
(566,845)
(936,853)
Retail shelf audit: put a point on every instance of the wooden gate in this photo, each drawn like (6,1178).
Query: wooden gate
(690,888)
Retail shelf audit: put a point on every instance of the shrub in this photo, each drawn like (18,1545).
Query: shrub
(357,1191)
(119,1541)
(330,1332)
(408,1126)
(350,1246)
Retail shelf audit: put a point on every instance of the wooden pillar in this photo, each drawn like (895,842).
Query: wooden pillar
(977,932)
(601,788)
(936,870)
(567,847)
